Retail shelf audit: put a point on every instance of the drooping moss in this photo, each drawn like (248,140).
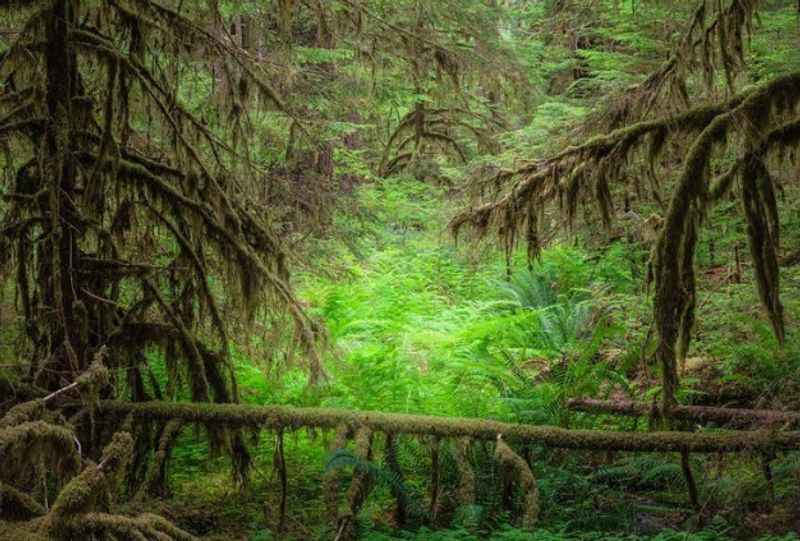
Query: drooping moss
(156,478)
(27,446)
(330,480)
(22,413)
(360,487)
(674,275)
(465,493)
(527,482)
(397,487)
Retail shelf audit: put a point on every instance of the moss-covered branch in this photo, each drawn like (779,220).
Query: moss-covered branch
(728,417)
(276,417)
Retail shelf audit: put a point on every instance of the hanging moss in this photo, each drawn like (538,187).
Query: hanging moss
(330,481)
(674,275)
(465,493)
(360,487)
(760,206)
(397,486)
(25,446)
(525,479)
(156,479)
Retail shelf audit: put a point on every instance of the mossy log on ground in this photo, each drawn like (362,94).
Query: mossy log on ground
(728,417)
(277,417)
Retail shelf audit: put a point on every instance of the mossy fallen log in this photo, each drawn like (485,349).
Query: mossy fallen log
(286,417)
(728,417)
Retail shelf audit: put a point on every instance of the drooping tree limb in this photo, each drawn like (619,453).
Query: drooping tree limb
(673,272)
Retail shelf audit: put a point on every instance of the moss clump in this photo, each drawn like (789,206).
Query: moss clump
(330,481)
(22,413)
(15,504)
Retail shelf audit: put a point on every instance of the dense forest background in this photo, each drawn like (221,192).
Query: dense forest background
(420,269)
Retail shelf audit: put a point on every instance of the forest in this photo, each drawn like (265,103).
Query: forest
(446,270)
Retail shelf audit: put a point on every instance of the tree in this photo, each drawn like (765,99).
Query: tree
(658,122)
(128,218)
(109,220)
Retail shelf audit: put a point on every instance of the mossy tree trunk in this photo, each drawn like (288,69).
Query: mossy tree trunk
(60,334)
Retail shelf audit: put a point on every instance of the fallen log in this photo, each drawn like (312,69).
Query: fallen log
(286,417)
(727,417)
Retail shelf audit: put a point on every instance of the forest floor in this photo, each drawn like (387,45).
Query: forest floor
(418,325)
